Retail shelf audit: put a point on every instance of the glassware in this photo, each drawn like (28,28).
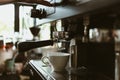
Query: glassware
(10,66)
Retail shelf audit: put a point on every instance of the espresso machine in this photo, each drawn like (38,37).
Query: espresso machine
(85,56)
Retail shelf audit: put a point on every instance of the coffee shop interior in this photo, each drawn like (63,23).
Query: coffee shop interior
(86,31)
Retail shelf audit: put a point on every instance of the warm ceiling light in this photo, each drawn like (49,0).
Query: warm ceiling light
(42,2)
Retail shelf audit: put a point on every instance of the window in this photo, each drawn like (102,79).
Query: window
(26,22)
(7,21)
(45,31)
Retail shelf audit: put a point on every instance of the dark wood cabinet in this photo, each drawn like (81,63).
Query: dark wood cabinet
(98,57)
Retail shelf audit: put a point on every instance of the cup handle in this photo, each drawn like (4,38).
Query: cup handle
(43,59)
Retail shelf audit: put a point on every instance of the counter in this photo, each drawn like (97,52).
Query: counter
(41,72)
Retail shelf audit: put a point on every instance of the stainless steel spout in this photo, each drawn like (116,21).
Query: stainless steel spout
(27,45)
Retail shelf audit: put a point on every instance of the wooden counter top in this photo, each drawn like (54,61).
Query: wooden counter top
(46,73)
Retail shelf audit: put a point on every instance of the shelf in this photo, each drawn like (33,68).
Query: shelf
(71,10)
(84,8)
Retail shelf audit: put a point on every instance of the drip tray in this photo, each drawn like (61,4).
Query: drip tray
(84,73)
(80,71)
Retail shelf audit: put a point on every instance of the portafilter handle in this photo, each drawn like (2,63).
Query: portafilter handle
(27,45)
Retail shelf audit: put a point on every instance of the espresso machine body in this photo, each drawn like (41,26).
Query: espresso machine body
(96,57)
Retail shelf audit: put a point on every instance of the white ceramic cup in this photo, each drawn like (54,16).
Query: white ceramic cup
(58,60)
(46,51)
